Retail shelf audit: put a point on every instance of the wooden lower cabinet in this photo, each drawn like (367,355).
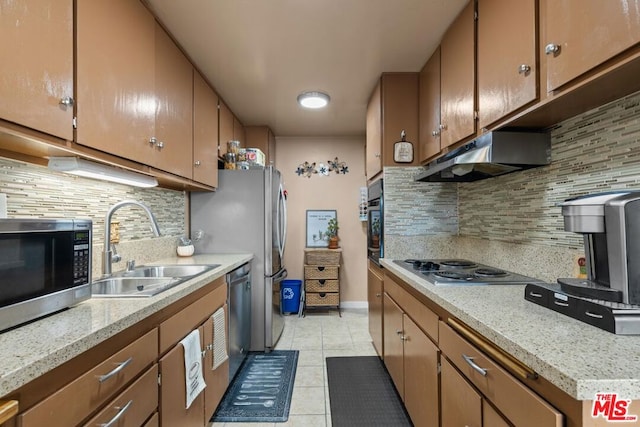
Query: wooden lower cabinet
(374,297)
(461,404)
(134,405)
(412,361)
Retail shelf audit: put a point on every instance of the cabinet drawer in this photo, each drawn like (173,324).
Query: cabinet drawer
(321,285)
(87,392)
(322,298)
(179,325)
(426,319)
(519,404)
(321,271)
(140,400)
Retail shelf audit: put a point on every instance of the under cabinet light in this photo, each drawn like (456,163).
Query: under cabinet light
(89,169)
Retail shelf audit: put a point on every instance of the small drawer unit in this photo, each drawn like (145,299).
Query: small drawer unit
(322,278)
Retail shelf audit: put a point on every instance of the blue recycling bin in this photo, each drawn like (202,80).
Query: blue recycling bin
(290,295)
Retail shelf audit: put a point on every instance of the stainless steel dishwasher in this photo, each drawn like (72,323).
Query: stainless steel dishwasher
(239,303)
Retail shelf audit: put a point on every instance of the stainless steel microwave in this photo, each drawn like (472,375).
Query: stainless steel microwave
(45,266)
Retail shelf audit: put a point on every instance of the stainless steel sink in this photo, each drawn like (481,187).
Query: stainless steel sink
(173,270)
(147,281)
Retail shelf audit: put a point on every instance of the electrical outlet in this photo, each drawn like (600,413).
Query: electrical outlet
(115,232)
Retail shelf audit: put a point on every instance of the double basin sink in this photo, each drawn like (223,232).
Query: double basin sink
(147,281)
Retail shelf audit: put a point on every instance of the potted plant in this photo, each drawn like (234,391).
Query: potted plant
(375,233)
(332,233)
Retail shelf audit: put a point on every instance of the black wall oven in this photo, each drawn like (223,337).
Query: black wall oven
(45,266)
(375,222)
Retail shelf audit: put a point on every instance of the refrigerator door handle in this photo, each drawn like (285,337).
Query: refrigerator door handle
(283,231)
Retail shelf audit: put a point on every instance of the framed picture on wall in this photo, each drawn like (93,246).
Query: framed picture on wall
(317,222)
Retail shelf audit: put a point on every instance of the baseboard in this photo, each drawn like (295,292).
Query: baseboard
(354,304)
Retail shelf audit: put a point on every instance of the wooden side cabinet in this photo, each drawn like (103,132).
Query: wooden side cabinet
(322,278)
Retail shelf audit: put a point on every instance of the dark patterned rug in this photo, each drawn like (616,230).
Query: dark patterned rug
(261,390)
(361,393)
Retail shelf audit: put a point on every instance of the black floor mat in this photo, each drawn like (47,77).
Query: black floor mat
(261,390)
(361,393)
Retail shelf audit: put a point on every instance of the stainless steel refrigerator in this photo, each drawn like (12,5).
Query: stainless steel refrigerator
(247,213)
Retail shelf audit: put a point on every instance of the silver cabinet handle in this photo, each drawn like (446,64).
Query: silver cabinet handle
(435,133)
(594,315)
(196,163)
(475,367)
(120,413)
(377,155)
(160,145)
(399,332)
(551,48)
(443,126)
(120,367)
(67,101)
(378,295)
(153,140)
(523,69)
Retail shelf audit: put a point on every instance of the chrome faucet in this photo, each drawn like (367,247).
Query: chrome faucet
(108,254)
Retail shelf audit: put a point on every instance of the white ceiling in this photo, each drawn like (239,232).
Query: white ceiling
(260,54)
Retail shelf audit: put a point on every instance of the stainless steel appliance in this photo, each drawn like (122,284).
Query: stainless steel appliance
(457,272)
(375,221)
(45,266)
(609,297)
(491,154)
(239,319)
(248,213)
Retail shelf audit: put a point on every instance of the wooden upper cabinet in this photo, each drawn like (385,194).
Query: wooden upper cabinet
(238,132)
(36,65)
(582,34)
(392,108)
(205,132)
(263,138)
(374,134)
(458,79)
(225,120)
(173,151)
(116,105)
(507,71)
(429,107)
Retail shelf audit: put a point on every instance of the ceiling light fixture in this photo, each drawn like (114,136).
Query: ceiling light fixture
(313,99)
(89,169)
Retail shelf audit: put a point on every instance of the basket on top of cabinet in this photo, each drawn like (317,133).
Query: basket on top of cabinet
(322,278)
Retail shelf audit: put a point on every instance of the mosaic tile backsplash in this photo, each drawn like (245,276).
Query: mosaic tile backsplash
(593,152)
(36,192)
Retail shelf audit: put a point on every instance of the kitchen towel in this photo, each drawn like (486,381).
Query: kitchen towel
(219,338)
(194,381)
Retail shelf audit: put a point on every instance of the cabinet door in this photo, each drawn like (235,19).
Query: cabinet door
(399,112)
(507,72)
(461,404)
(116,106)
(173,392)
(174,102)
(238,132)
(261,137)
(374,133)
(205,132)
(225,127)
(458,79)
(36,64)
(393,347)
(429,108)
(586,34)
(420,376)
(217,379)
(374,296)
(491,418)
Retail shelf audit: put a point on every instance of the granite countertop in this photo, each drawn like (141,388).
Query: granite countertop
(36,348)
(578,358)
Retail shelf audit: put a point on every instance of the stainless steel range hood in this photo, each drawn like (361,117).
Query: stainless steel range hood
(492,154)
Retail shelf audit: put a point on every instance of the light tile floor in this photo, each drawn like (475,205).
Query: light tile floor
(318,335)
